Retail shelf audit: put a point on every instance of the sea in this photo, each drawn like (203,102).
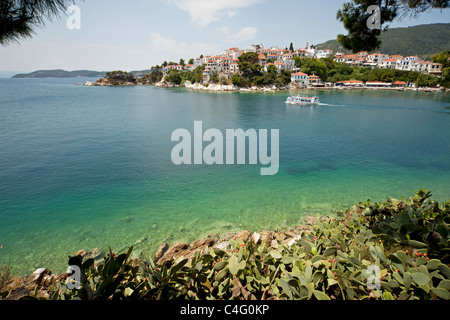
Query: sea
(91,167)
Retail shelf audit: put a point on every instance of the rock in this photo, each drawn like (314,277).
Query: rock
(174,251)
(299,230)
(267,236)
(81,253)
(279,236)
(223,245)
(199,245)
(14,283)
(255,237)
(244,235)
(309,220)
(128,219)
(214,236)
(140,241)
(186,251)
(42,278)
(160,252)
(37,277)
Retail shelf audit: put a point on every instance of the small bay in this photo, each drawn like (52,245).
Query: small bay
(85,167)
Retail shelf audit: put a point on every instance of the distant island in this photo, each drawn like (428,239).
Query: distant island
(59,73)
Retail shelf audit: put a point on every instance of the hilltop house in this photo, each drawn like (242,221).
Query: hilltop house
(323,54)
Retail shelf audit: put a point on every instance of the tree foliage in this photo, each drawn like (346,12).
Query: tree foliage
(252,73)
(354,17)
(313,66)
(18,18)
(195,76)
(154,76)
(174,76)
(444,59)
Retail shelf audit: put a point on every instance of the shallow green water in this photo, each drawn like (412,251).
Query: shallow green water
(85,167)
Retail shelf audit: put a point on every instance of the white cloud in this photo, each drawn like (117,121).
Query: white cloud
(167,48)
(204,12)
(245,34)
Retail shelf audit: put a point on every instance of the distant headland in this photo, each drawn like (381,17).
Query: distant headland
(59,73)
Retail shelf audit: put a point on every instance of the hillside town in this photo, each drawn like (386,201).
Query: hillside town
(225,65)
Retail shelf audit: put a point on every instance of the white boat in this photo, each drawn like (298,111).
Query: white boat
(302,100)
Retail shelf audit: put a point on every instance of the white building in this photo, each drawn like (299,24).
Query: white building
(406,63)
(377,58)
(300,78)
(436,69)
(323,54)
(258,48)
(390,63)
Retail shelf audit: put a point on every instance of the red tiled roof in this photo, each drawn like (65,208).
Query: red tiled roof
(350,81)
(391,59)
(299,74)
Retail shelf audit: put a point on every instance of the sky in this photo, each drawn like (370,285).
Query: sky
(138,34)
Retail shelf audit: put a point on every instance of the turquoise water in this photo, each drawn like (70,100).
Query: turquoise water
(84,167)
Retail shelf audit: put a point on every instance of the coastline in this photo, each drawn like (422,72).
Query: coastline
(42,281)
(273,88)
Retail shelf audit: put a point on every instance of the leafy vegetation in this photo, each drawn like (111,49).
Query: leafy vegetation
(6,271)
(332,71)
(18,19)
(444,59)
(252,73)
(394,250)
(355,17)
(155,75)
(120,77)
(174,76)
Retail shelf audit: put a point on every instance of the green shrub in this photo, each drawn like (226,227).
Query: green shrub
(406,242)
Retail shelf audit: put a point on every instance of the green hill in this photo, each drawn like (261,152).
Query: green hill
(423,40)
(59,73)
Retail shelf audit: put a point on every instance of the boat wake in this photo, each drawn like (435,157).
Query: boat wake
(331,105)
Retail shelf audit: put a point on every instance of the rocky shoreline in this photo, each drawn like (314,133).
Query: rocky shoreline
(40,283)
(233,88)
(221,87)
